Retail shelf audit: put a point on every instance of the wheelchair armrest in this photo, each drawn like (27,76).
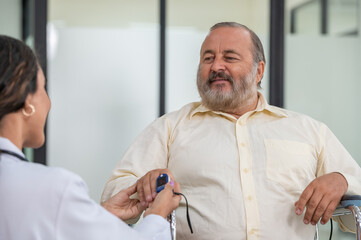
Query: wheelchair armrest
(348,214)
(350,200)
(345,203)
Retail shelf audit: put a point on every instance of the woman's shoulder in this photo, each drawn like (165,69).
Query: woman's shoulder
(39,177)
(55,177)
(36,170)
(36,185)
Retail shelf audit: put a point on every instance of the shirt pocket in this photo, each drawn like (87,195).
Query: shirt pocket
(290,164)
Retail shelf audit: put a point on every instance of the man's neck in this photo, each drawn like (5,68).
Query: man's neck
(248,106)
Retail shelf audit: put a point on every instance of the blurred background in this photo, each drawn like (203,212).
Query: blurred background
(113,66)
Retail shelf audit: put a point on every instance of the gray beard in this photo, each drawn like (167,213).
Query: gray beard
(241,94)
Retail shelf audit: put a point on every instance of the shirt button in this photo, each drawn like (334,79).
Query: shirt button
(243,145)
(249,198)
(251,231)
(245,170)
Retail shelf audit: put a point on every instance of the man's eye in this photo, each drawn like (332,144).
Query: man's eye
(208,59)
(231,58)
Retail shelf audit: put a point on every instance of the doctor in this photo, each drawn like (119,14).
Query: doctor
(39,202)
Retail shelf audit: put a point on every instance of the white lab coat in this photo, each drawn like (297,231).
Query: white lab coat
(45,203)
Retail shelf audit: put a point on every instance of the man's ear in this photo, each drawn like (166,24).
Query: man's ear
(260,71)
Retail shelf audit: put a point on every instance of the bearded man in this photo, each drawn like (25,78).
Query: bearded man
(249,169)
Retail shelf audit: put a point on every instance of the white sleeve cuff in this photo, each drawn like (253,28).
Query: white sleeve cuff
(154,227)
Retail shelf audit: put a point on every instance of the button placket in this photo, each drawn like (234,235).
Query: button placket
(247,182)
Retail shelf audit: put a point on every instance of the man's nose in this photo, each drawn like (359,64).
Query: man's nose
(218,65)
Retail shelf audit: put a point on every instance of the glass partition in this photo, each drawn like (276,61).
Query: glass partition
(322,72)
(304,17)
(10,18)
(344,17)
(103,82)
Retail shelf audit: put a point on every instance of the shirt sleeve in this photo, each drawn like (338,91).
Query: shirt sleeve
(79,217)
(149,151)
(335,158)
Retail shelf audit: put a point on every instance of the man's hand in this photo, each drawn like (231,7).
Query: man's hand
(165,201)
(122,206)
(321,196)
(146,186)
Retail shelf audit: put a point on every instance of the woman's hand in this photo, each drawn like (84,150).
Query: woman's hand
(122,206)
(165,201)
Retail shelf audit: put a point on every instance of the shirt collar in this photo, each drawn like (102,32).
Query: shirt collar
(262,106)
(6,144)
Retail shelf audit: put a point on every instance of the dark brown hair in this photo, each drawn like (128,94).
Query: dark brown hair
(18,74)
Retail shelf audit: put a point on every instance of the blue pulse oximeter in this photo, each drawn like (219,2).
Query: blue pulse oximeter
(162,180)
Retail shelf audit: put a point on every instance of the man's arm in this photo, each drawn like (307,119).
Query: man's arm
(148,152)
(321,196)
(337,174)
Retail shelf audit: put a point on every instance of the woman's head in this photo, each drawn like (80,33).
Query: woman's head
(22,90)
(18,74)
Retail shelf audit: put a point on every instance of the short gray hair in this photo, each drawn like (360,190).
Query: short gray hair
(257,49)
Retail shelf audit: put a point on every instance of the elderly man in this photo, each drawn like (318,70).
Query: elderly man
(248,169)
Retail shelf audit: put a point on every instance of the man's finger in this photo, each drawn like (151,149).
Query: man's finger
(320,210)
(328,212)
(302,201)
(131,190)
(140,192)
(311,207)
(146,188)
(153,185)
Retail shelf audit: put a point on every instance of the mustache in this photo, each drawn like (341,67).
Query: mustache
(214,75)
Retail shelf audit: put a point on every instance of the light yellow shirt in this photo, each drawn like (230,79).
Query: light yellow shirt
(241,176)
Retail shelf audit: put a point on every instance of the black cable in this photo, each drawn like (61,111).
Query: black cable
(13,154)
(188,218)
(331,228)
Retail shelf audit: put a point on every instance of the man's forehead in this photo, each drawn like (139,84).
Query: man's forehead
(224,51)
(226,38)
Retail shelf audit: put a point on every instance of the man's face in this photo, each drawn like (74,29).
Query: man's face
(227,77)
